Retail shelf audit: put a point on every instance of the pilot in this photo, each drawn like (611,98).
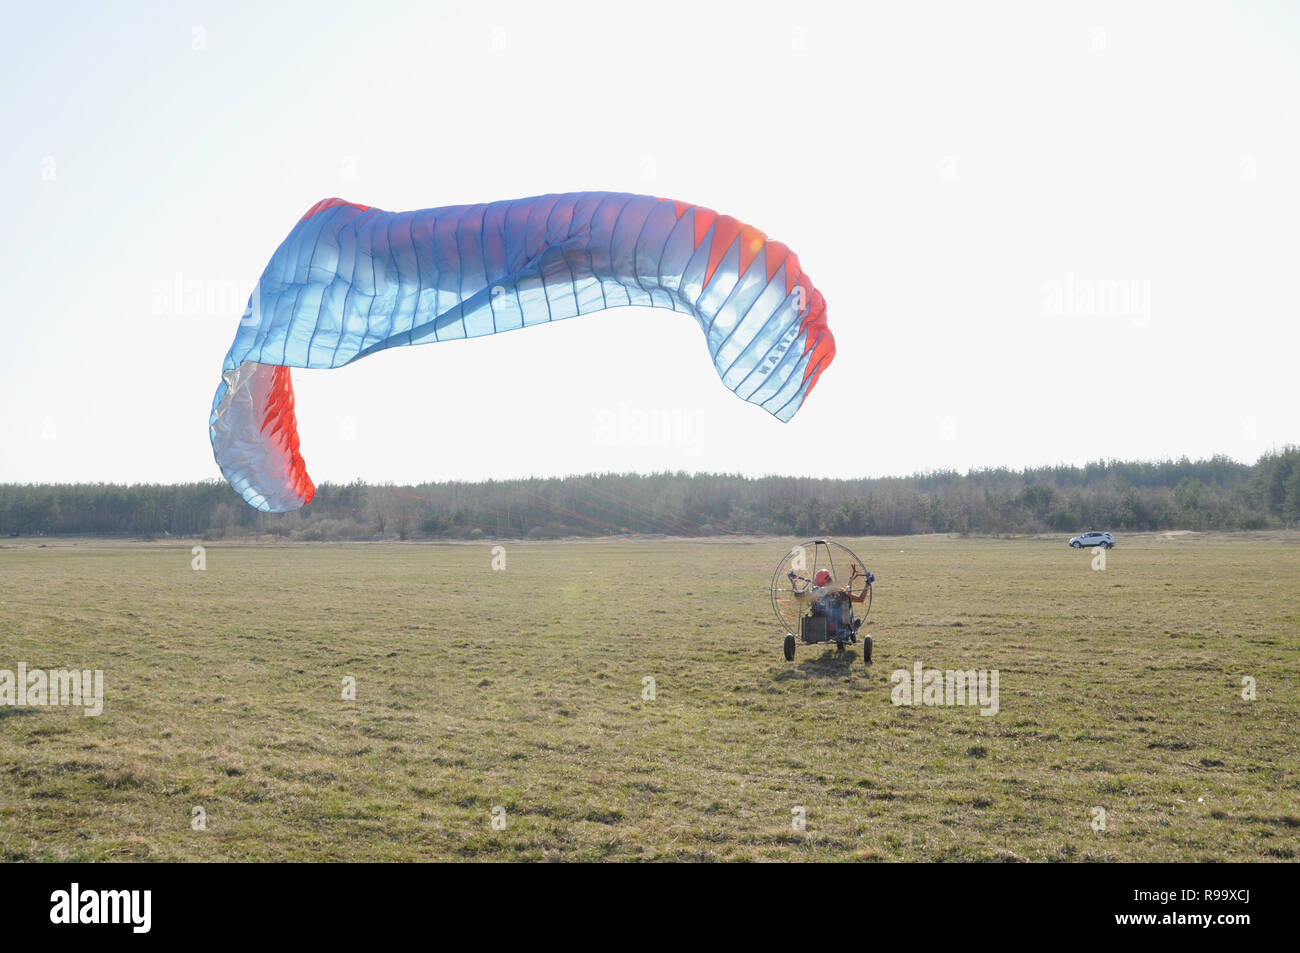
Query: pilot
(833,604)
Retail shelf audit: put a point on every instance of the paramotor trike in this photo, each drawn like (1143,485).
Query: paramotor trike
(821,593)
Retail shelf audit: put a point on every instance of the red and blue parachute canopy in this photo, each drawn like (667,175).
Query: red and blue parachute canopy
(351,280)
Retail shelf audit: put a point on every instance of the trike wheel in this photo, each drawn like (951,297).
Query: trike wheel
(789,648)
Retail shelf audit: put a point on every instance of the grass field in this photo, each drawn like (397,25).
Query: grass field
(523,689)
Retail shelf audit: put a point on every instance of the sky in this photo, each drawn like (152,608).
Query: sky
(1046,233)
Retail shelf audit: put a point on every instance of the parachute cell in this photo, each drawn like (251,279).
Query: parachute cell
(350,280)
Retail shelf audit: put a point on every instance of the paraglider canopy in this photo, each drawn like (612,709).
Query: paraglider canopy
(350,280)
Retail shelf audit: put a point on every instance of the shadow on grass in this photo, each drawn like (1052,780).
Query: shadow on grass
(832,663)
(7,712)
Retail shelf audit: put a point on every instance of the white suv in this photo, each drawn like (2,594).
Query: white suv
(1088,540)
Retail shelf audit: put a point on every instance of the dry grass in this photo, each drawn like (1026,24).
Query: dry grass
(523,689)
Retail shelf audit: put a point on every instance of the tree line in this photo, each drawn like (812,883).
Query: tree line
(1214,494)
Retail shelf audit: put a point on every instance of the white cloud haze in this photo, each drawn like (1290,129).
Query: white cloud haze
(1045,232)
